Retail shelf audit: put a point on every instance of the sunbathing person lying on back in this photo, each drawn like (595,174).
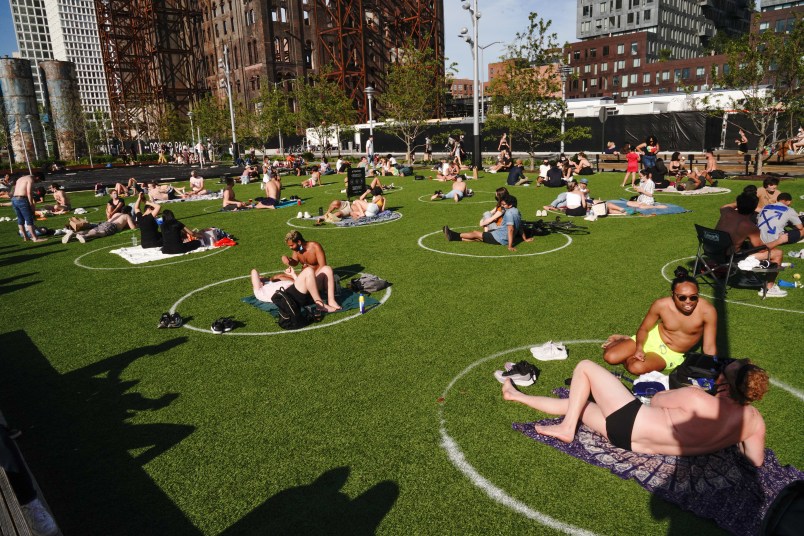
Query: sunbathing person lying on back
(678,422)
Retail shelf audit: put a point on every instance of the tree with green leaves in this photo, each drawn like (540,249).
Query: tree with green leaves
(323,107)
(411,96)
(766,69)
(526,98)
(212,117)
(274,115)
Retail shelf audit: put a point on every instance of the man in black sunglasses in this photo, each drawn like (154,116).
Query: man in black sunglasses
(673,326)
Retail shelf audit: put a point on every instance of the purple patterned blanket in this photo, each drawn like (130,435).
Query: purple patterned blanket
(724,486)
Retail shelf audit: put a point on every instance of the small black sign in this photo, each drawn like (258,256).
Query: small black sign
(357,182)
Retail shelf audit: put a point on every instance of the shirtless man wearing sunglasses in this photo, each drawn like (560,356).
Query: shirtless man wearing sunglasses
(674,325)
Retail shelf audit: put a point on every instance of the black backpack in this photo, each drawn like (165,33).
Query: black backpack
(291,315)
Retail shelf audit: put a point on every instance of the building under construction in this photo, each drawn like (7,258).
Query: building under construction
(166,54)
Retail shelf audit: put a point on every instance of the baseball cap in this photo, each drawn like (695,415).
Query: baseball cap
(585,181)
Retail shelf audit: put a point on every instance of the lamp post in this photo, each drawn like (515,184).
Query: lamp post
(223,63)
(192,134)
(472,42)
(33,136)
(369,91)
(564,71)
(482,84)
(24,148)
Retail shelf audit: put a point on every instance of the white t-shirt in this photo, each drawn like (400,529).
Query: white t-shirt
(543,171)
(647,186)
(392,161)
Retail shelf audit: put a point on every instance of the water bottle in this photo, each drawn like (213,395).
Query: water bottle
(362,301)
(785,284)
(133,240)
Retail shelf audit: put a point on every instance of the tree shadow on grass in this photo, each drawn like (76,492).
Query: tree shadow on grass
(349,270)
(320,508)
(88,458)
(25,257)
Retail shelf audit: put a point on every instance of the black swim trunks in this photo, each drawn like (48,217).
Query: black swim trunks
(620,424)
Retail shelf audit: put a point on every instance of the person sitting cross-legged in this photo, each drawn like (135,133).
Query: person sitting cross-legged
(505,234)
(678,422)
(311,254)
(674,325)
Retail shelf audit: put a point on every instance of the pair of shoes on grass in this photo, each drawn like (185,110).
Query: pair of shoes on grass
(222,325)
(522,373)
(170,321)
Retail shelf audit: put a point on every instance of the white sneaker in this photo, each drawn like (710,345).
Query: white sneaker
(774,292)
(549,351)
(307,215)
(39,519)
(67,236)
(591,217)
(299,215)
(81,238)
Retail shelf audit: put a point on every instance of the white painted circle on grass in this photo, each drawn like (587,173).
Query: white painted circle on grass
(384,192)
(782,309)
(189,257)
(329,226)
(509,256)
(310,327)
(497,494)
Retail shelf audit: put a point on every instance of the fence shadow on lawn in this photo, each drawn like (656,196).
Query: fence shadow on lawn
(320,508)
(85,454)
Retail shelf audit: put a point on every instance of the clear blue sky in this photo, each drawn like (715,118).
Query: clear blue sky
(8,43)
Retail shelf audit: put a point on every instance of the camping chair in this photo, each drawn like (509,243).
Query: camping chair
(716,258)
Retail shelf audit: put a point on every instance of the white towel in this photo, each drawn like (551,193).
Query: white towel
(140,255)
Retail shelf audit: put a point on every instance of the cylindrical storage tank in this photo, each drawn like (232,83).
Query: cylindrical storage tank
(64,105)
(22,115)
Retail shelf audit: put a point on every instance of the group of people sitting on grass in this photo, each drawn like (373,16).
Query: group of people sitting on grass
(679,422)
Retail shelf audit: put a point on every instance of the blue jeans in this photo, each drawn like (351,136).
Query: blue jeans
(560,201)
(23,210)
(648,160)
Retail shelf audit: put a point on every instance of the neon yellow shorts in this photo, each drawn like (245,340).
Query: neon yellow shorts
(655,345)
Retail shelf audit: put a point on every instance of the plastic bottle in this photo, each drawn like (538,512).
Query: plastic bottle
(785,284)
(298,202)
(133,240)
(362,301)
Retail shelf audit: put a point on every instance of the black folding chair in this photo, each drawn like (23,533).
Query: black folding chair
(715,258)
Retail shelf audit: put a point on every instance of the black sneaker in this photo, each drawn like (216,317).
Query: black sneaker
(451,235)
(176,321)
(522,373)
(164,321)
(222,325)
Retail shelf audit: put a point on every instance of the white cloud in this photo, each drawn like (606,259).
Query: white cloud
(500,21)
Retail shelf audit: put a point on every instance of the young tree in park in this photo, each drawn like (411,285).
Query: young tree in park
(526,97)
(767,70)
(322,106)
(411,95)
(212,117)
(273,116)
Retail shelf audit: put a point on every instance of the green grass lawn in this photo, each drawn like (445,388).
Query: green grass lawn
(134,430)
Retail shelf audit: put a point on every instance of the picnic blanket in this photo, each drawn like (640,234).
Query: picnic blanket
(671,208)
(723,486)
(346,298)
(700,191)
(385,215)
(205,197)
(140,255)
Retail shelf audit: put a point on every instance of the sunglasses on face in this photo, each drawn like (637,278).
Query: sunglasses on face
(683,298)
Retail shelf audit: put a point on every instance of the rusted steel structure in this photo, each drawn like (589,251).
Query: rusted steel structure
(63,102)
(20,109)
(151,57)
(281,40)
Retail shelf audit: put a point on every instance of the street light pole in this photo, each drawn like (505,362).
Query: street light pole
(482,84)
(472,41)
(564,71)
(33,136)
(24,147)
(279,130)
(369,91)
(223,63)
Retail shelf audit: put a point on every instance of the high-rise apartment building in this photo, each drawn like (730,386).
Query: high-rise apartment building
(770,5)
(676,28)
(33,37)
(74,37)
